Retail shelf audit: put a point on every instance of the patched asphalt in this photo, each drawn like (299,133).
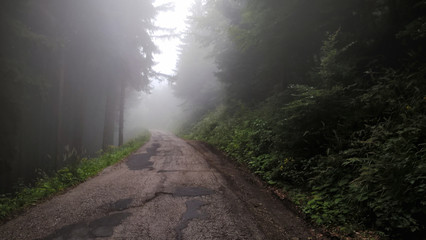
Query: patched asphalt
(168,189)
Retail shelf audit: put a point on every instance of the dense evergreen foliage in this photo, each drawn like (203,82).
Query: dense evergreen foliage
(65,70)
(195,81)
(326,98)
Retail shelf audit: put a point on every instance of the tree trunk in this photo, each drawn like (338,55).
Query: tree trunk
(121,116)
(59,108)
(108,136)
(78,123)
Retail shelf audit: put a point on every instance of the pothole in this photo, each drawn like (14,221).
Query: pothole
(192,211)
(121,204)
(101,227)
(141,161)
(192,191)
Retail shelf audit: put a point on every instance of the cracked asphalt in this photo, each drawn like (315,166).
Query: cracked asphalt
(168,189)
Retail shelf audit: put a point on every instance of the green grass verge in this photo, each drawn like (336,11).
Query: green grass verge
(67,177)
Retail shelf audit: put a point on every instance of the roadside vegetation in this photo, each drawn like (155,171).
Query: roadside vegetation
(49,185)
(341,173)
(330,109)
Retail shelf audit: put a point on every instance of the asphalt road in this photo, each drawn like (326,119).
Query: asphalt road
(168,189)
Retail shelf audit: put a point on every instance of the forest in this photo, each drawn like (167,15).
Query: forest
(324,100)
(66,69)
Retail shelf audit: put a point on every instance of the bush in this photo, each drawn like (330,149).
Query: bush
(358,155)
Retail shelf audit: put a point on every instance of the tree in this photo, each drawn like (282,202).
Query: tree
(326,97)
(65,69)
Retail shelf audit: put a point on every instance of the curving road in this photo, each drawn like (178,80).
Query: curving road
(168,189)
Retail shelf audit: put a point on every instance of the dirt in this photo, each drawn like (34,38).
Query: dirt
(168,189)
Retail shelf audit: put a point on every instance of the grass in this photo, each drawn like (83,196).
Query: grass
(67,177)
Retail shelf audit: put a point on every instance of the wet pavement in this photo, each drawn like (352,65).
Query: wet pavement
(168,189)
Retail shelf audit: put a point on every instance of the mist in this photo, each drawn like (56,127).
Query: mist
(159,109)
(80,77)
(326,97)
(72,76)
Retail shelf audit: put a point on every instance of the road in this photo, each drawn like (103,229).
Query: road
(168,189)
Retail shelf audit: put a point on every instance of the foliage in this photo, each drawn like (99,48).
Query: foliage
(371,176)
(326,98)
(65,69)
(64,178)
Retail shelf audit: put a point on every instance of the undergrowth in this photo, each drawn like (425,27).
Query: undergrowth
(66,177)
(352,158)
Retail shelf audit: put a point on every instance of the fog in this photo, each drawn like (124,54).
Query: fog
(191,87)
(322,95)
(159,109)
(80,76)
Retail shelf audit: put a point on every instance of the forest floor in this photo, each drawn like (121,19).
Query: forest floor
(168,189)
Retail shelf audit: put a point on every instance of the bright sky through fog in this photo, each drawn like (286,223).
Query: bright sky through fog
(175,19)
